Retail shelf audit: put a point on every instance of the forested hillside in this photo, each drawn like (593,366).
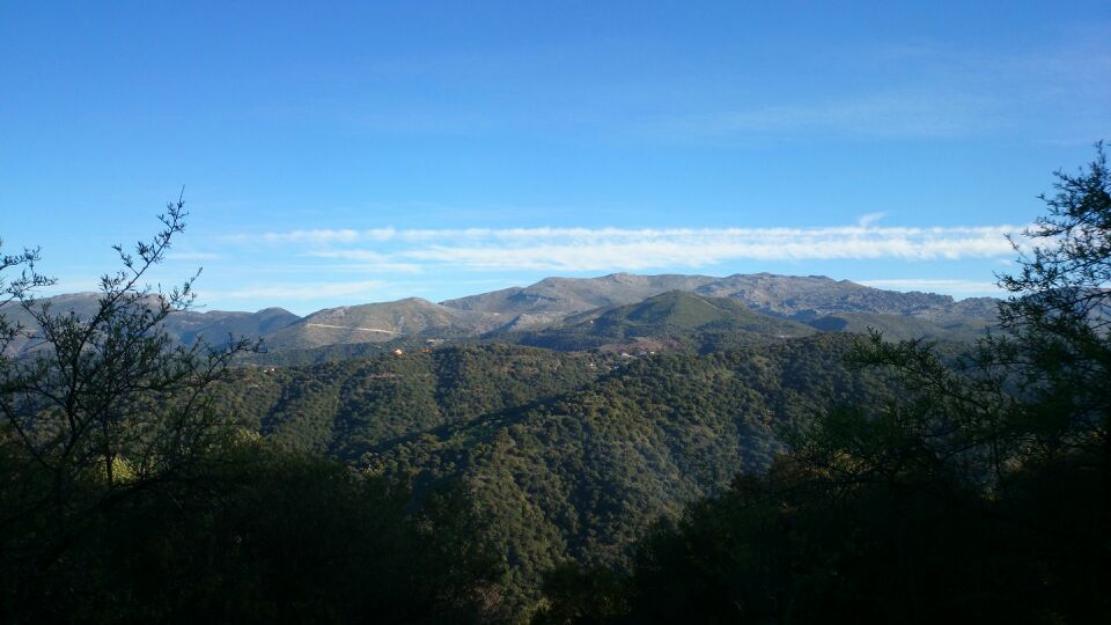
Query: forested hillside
(571,456)
(346,407)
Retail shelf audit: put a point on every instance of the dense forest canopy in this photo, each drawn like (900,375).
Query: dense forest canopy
(643,451)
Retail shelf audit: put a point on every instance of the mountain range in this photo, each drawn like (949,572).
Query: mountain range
(575,313)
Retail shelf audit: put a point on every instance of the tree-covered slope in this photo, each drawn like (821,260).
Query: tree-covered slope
(902,328)
(677,318)
(573,456)
(345,407)
(597,464)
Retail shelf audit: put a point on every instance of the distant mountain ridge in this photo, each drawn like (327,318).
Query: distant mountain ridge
(381,322)
(554,298)
(555,305)
(186,326)
(801,297)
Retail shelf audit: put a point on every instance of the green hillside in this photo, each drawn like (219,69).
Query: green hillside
(573,456)
(901,328)
(681,311)
(672,319)
(345,407)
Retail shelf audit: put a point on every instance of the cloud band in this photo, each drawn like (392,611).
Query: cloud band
(599,249)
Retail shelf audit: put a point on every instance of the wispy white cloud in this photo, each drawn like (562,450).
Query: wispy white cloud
(598,249)
(316,236)
(869,219)
(366,260)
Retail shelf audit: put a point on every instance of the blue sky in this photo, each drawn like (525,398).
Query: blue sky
(349,153)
